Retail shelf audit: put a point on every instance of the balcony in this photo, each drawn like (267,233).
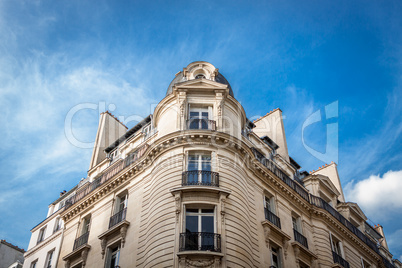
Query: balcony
(117,218)
(201,124)
(80,241)
(200,241)
(300,238)
(338,259)
(272,218)
(200,178)
(80,251)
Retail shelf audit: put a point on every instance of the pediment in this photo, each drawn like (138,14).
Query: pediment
(357,210)
(200,84)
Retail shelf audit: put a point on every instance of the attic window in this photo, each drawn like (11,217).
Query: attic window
(198,76)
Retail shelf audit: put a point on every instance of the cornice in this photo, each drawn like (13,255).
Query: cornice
(319,212)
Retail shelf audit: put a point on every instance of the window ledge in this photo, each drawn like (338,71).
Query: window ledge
(274,230)
(198,188)
(115,229)
(303,253)
(80,254)
(199,253)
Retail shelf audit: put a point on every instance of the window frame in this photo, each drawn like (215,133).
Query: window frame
(278,255)
(34,264)
(41,236)
(49,258)
(110,254)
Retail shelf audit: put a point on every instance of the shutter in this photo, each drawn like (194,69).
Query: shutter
(330,239)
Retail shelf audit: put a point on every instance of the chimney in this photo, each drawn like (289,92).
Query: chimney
(383,241)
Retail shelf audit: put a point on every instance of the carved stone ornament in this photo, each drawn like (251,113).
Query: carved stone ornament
(223,212)
(84,256)
(285,247)
(220,108)
(103,246)
(67,264)
(200,263)
(123,233)
(182,107)
(178,206)
(267,232)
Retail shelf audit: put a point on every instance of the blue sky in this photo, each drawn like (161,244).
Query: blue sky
(296,55)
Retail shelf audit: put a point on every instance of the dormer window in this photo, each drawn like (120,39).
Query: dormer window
(199,76)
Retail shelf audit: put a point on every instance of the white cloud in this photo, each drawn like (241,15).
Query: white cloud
(378,196)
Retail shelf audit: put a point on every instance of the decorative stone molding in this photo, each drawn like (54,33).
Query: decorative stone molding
(303,254)
(200,263)
(223,211)
(178,205)
(276,235)
(78,255)
(119,229)
(103,246)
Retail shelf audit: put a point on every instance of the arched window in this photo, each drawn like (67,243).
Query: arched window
(198,76)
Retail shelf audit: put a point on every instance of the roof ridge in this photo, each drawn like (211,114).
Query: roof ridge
(323,166)
(109,113)
(3,241)
(270,112)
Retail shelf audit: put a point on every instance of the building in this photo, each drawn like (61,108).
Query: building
(10,256)
(197,184)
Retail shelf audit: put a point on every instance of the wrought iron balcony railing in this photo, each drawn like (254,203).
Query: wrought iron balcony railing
(340,260)
(80,241)
(107,175)
(200,177)
(314,200)
(118,217)
(270,216)
(200,241)
(201,124)
(300,238)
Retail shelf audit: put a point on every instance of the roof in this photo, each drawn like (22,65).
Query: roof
(12,246)
(64,195)
(270,112)
(180,78)
(129,133)
(294,163)
(270,142)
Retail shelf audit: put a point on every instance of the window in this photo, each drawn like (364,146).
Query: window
(200,229)
(269,203)
(33,264)
(336,245)
(199,118)
(114,155)
(41,236)
(57,225)
(198,76)
(119,210)
(275,257)
(296,224)
(269,210)
(48,263)
(112,260)
(86,224)
(365,264)
(199,169)
(121,202)
(147,130)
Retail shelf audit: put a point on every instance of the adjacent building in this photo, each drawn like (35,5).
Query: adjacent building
(197,184)
(10,256)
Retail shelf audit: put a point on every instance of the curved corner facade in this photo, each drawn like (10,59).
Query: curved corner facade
(196,184)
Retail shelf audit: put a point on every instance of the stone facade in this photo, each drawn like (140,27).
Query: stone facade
(196,184)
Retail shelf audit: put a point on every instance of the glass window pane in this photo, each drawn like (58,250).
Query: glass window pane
(207,224)
(191,223)
(205,210)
